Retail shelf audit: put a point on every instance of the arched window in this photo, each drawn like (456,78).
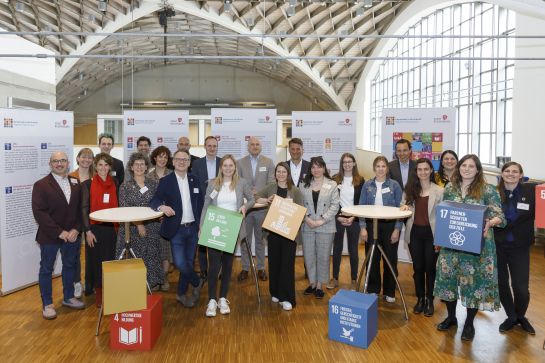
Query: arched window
(481,89)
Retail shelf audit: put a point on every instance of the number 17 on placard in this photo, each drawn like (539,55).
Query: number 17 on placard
(444,213)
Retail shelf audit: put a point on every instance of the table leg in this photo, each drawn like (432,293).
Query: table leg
(252,266)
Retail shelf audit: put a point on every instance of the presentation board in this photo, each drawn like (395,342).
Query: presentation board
(326,133)
(28,138)
(430,131)
(232,127)
(162,127)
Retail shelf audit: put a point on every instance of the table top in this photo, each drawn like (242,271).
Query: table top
(376,212)
(125,214)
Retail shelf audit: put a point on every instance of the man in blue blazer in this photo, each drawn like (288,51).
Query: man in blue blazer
(204,169)
(178,196)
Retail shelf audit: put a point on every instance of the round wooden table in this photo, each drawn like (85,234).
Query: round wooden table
(376,212)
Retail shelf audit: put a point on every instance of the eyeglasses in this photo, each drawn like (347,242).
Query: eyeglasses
(59,161)
(181,160)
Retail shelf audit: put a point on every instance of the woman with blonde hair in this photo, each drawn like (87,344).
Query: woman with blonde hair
(226,191)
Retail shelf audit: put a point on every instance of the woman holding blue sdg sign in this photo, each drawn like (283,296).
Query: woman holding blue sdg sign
(226,191)
(281,250)
(513,245)
(421,197)
(475,277)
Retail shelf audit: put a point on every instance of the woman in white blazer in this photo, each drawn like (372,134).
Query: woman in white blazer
(421,197)
(321,198)
(226,191)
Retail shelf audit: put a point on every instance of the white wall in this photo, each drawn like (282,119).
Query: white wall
(193,83)
(528,98)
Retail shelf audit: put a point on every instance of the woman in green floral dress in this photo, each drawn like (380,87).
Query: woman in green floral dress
(473,278)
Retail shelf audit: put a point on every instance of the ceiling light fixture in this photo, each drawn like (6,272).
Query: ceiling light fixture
(102,5)
(367,3)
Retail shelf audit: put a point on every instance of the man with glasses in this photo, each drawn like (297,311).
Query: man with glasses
(259,171)
(56,205)
(106,144)
(178,196)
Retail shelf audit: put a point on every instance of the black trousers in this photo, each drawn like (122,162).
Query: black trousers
(282,267)
(352,236)
(104,250)
(219,260)
(424,260)
(514,263)
(385,229)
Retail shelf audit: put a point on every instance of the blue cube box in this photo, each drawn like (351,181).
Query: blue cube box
(459,226)
(353,318)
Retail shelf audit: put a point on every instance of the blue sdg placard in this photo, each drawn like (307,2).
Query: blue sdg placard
(353,318)
(459,226)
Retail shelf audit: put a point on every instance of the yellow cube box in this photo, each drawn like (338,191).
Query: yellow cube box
(124,285)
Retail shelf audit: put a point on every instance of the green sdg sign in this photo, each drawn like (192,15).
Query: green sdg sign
(220,229)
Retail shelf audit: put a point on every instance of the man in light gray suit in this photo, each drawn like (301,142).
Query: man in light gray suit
(258,170)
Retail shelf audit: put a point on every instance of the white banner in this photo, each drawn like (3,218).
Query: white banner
(430,131)
(329,134)
(27,139)
(164,128)
(232,127)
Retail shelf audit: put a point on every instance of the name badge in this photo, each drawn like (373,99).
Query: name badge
(73,181)
(143,189)
(195,190)
(523,206)
(106,198)
(113,173)
(213,194)
(262,168)
(385,190)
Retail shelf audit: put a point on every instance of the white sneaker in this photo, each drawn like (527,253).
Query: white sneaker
(78,289)
(224,306)
(389,299)
(286,305)
(274,299)
(212,307)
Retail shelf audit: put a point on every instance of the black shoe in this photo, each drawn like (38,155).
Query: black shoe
(309,290)
(447,323)
(507,325)
(419,307)
(429,309)
(319,293)
(243,275)
(468,333)
(526,326)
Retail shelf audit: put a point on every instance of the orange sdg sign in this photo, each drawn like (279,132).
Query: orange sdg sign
(540,206)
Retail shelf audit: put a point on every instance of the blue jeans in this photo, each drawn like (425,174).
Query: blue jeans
(48,254)
(183,246)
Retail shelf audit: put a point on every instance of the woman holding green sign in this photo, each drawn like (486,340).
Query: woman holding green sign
(473,277)
(281,250)
(226,191)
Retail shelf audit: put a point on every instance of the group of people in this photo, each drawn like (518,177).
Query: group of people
(182,187)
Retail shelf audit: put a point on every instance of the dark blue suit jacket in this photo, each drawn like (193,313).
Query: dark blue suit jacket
(168,193)
(199,169)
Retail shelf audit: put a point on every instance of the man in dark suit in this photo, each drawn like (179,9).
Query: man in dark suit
(298,166)
(204,169)
(185,145)
(178,196)
(56,205)
(259,171)
(106,144)
(400,168)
